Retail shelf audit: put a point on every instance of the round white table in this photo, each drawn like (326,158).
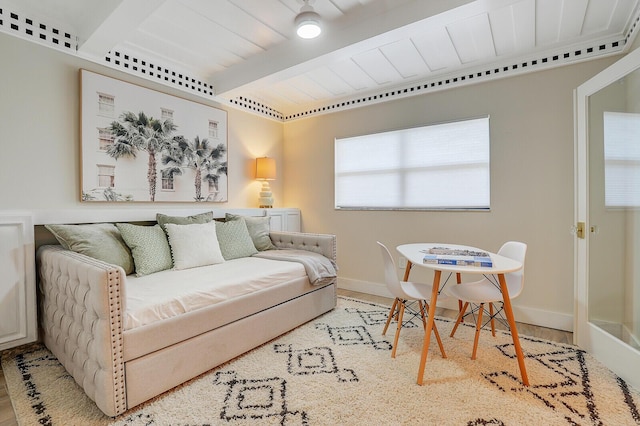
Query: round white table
(414,253)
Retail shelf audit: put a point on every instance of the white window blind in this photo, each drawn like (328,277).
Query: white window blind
(106,176)
(213,129)
(622,159)
(105,138)
(106,105)
(442,166)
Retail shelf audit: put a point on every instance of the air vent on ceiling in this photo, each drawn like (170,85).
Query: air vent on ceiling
(157,72)
(28,28)
(256,107)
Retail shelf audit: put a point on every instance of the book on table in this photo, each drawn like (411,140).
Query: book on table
(460,257)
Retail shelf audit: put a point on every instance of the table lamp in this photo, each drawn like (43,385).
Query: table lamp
(265,171)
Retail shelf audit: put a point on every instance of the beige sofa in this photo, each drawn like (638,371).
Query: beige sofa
(119,365)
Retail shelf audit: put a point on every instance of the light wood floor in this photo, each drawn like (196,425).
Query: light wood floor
(7,417)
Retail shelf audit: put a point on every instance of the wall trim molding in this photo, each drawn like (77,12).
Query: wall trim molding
(96,215)
(480,74)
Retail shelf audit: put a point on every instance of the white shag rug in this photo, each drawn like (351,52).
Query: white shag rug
(338,370)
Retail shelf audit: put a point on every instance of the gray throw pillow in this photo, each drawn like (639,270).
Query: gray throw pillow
(259,228)
(234,239)
(149,247)
(101,241)
(163,219)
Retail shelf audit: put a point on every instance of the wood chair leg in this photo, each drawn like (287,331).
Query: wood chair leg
(440,345)
(493,325)
(478,328)
(459,281)
(391,314)
(395,341)
(459,320)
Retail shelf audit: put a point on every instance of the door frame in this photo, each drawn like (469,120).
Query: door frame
(612,352)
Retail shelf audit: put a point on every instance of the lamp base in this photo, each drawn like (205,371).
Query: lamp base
(265,201)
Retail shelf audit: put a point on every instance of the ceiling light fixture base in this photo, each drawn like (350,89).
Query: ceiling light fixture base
(308,22)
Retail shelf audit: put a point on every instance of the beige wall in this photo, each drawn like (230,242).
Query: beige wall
(40,134)
(531,182)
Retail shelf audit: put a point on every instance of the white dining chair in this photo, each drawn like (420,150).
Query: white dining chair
(404,293)
(487,291)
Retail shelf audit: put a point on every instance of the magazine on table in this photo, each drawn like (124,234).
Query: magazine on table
(460,257)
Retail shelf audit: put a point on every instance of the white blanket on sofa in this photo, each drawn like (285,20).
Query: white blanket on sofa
(167,294)
(320,269)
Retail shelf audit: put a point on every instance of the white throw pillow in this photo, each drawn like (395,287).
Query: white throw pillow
(194,245)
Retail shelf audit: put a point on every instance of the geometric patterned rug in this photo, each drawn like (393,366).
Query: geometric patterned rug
(337,369)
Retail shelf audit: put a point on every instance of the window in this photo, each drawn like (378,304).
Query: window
(106,176)
(106,105)
(621,159)
(167,183)
(105,139)
(442,166)
(166,114)
(213,129)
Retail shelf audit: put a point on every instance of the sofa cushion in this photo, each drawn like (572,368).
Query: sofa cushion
(163,219)
(149,247)
(101,241)
(234,239)
(259,228)
(194,245)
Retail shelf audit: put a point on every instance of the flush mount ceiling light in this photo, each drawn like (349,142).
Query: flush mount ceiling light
(308,22)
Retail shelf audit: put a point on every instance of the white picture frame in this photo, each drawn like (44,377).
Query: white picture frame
(141,145)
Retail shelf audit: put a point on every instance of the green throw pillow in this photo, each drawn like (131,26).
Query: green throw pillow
(259,228)
(163,219)
(101,241)
(149,247)
(234,239)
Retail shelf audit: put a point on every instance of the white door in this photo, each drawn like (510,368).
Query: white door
(607,311)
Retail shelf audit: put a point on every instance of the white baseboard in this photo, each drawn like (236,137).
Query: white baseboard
(377,289)
(533,316)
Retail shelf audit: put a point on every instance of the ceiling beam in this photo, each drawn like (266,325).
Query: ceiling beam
(111,22)
(337,42)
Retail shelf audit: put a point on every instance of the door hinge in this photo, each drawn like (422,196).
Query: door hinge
(580,230)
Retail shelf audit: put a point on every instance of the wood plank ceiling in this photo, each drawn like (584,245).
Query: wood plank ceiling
(245,52)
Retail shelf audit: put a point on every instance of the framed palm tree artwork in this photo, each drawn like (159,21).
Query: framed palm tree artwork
(139,144)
